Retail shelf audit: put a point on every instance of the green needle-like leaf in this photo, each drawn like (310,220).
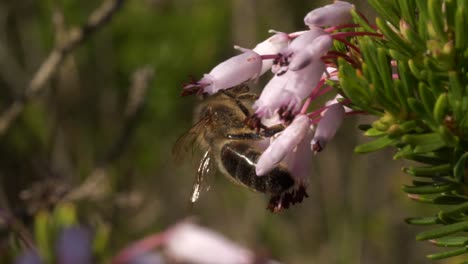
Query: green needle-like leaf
(375,145)
(430,188)
(448,254)
(461,167)
(443,231)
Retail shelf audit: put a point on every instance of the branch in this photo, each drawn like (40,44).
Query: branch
(47,70)
(96,184)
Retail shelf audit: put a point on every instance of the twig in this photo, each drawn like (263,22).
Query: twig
(94,187)
(49,67)
(18,228)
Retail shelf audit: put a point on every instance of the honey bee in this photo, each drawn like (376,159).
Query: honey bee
(231,147)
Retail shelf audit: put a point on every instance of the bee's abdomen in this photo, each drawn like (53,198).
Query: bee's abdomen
(239,160)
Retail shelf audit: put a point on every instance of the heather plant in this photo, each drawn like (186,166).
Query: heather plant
(414,80)
(409,70)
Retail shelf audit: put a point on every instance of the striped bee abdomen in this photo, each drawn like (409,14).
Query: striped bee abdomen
(239,160)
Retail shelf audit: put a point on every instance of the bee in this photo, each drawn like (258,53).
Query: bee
(231,147)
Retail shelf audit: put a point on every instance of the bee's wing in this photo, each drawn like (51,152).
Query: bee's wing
(204,170)
(189,142)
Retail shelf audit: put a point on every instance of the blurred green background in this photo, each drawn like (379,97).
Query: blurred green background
(63,138)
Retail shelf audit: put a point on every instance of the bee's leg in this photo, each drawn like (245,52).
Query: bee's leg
(266,132)
(248,96)
(271,131)
(251,136)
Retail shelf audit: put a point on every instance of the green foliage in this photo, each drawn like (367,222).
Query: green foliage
(422,107)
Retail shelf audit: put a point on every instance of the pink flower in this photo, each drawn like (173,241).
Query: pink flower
(298,161)
(296,46)
(274,96)
(303,40)
(312,52)
(227,74)
(326,129)
(303,81)
(285,92)
(271,46)
(283,144)
(334,14)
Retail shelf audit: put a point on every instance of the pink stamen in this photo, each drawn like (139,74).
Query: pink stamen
(322,92)
(331,29)
(315,121)
(395,76)
(363,16)
(317,111)
(336,54)
(349,44)
(269,56)
(312,96)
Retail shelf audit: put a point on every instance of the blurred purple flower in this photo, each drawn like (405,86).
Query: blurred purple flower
(29,257)
(74,246)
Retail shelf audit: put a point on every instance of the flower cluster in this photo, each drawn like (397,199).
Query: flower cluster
(303,63)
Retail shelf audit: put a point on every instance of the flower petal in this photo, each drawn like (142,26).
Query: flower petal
(337,13)
(299,162)
(230,73)
(312,52)
(326,129)
(270,46)
(283,144)
(272,97)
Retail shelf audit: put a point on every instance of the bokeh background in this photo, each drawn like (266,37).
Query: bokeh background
(75,141)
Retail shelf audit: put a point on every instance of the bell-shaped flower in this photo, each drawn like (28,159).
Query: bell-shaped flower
(29,257)
(227,74)
(303,82)
(338,13)
(328,125)
(298,83)
(283,144)
(297,45)
(189,243)
(273,97)
(304,40)
(272,45)
(298,161)
(317,48)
